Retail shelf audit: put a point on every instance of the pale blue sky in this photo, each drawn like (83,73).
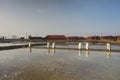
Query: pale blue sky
(69,17)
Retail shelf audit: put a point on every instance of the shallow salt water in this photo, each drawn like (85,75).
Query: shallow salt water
(53,64)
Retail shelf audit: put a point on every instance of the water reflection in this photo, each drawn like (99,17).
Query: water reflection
(108,54)
(87,53)
(79,52)
(30,50)
(48,50)
(64,66)
(51,51)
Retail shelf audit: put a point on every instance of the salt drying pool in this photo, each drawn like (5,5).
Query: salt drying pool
(43,64)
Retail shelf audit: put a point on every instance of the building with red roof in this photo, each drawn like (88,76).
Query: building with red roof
(93,37)
(75,37)
(56,37)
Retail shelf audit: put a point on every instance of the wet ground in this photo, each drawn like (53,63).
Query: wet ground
(43,64)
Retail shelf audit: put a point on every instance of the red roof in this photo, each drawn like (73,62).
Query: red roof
(75,37)
(55,37)
(90,37)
